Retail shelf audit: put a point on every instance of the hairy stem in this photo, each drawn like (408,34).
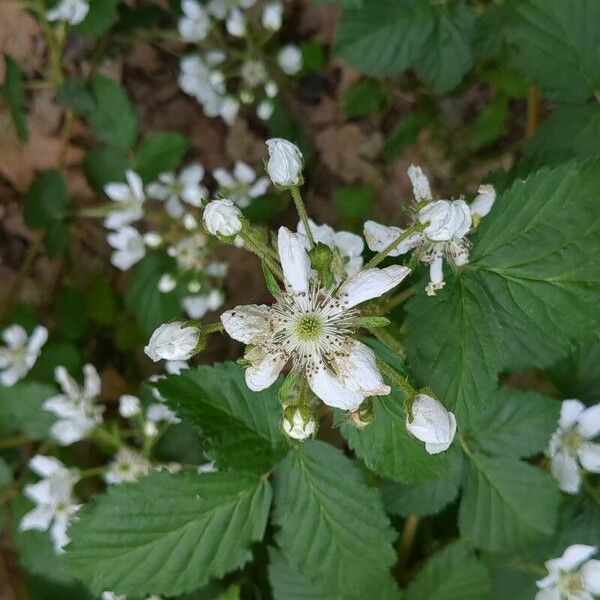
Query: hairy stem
(301,209)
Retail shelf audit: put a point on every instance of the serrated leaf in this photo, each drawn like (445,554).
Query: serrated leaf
(556,45)
(506,503)
(516,423)
(21,409)
(12,92)
(425,497)
(454,573)
(331,524)
(241,428)
(161,151)
(168,534)
(446,55)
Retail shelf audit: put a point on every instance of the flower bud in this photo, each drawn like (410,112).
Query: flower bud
(272,16)
(174,341)
(129,406)
(298,422)
(483,202)
(321,258)
(285,163)
(429,421)
(290,59)
(445,220)
(222,217)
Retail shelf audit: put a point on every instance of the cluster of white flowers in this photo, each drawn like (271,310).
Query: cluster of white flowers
(208,76)
(20,352)
(439,229)
(69,11)
(571,448)
(573,576)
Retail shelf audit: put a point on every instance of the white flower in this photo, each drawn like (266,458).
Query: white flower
(158,412)
(298,427)
(254,73)
(129,247)
(216,269)
(271,89)
(445,220)
(264,110)
(129,406)
(290,59)
(272,16)
(112,596)
(285,162)
(194,25)
(173,341)
(573,576)
(483,202)
(197,306)
(379,237)
(130,198)
(190,252)
(228,109)
(241,186)
(167,283)
(431,423)
(348,248)
(152,239)
(571,446)
(312,328)
(208,467)
(229,10)
(20,352)
(127,466)
(222,217)
(77,414)
(69,11)
(174,189)
(53,496)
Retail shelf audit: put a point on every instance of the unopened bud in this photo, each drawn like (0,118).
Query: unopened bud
(298,422)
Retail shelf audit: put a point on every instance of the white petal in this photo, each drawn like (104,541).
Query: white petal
(259,187)
(158,191)
(371,283)
(135,184)
(61,406)
(247,323)
(236,23)
(91,382)
(549,594)
(329,389)
(588,422)
(224,179)
(263,374)
(119,192)
(45,465)
(14,336)
(566,471)
(436,271)
(12,375)
(38,518)
(380,237)
(66,382)
(244,172)
(420,183)
(58,532)
(569,412)
(294,259)
(589,457)
(192,174)
(358,372)
(67,432)
(590,572)
(436,448)
(572,557)
(40,492)
(349,244)
(37,340)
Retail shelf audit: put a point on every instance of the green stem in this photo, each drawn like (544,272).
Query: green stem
(254,246)
(295,191)
(105,437)
(93,472)
(386,338)
(14,441)
(380,256)
(213,327)
(407,389)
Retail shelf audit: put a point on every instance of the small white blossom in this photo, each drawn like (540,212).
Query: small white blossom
(312,327)
(129,201)
(216,269)
(129,247)
(152,239)
(285,162)
(222,217)
(431,423)
(189,252)
(290,59)
(272,16)
(483,202)
(176,189)
(173,341)
(254,73)
(167,283)
(20,352)
(158,412)
(69,11)
(573,576)
(264,110)
(571,445)
(194,25)
(127,465)
(53,496)
(228,109)
(242,185)
(129,406)
(197,306)
(271,89)
(208,467)
(112,596)
(75,408)
(298,427)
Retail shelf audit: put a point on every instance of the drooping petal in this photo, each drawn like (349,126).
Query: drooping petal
(45,465)
(420,183)
(261,375)
(68,385)
(380,237)
(371,283)
(329,389)
(589,457)
(294,260)
(588,422)
(91,381)
(247,323)
(58,532)
(40,492)
(566,472)
(569,412)
(572,557)
(135,184)
(590,572)
(39,518)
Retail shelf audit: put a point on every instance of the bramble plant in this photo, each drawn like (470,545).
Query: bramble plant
(208,392)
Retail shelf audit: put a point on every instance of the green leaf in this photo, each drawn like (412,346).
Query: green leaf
(149,307)
(425,497)
(12,92)
(101,301)
(516,423)
(405,133)
(168,534)
(55,354)
(490,123)
(161,151)
(100,18)
(5,473)
(364,97)
(506,503)
(46,200)
(331,524)
(241,429)
(454,573)
(446,55)
(104,165)
(556,47)
(71,318)
(45,588)
(21,409)
(384,37)
(353,203)
(113,119)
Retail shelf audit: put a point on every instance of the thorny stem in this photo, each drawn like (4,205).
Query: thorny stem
(400,298)
(301,209)
(380,256)
(260,251)
(407,389)
(213,327)
(386,338)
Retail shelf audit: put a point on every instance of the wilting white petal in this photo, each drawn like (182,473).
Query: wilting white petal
(248,323)
(565,470)
(261,375)
(483,202)
(420,183)
(329,389)
(358,371)
(371,283)
(295,261)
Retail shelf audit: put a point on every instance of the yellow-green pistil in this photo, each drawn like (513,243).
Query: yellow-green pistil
(309,328)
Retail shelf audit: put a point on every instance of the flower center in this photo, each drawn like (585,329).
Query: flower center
(309,328)
(571,584)
(572,441)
